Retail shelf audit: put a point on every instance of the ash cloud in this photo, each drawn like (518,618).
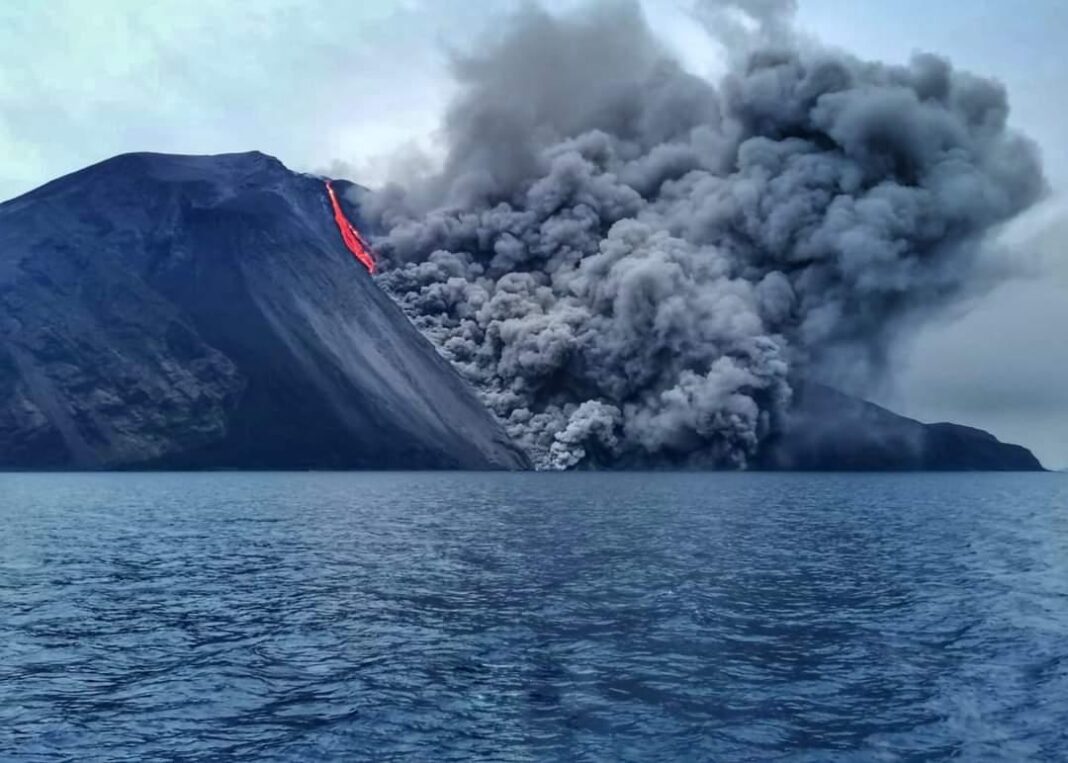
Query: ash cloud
(635,265)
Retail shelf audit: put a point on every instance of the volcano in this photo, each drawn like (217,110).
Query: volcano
(162,311)
(211,312)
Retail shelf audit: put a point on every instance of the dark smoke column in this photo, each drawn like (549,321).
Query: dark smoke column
(635,266)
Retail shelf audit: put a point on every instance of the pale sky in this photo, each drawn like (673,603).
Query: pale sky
(319,82)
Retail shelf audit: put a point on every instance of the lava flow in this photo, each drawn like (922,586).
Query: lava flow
(352,238)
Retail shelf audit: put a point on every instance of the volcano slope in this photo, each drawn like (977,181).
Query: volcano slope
(827,430)
(162,311)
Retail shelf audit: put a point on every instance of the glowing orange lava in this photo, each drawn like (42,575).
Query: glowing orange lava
(352,238)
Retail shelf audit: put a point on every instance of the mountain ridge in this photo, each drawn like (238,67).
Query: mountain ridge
(828,430)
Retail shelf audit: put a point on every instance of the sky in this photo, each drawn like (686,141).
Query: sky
(346,87)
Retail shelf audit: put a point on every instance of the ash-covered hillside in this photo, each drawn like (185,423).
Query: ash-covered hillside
(827,430)
(203,312)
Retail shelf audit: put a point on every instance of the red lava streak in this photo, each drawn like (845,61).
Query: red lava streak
(352,238)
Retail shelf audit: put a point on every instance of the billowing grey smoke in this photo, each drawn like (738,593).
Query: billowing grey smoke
(633,264)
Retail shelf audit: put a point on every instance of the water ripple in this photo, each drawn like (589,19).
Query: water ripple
(534,617)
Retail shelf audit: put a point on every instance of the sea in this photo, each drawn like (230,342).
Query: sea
(533,617)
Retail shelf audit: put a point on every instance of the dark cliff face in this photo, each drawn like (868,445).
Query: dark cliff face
(202,312)
(831,431)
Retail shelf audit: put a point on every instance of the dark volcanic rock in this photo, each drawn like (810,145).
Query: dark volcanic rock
(831,431)
(203,312)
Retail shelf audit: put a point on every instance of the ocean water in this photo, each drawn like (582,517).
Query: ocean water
(516,617)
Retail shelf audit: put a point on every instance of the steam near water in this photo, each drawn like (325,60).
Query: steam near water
(634,264)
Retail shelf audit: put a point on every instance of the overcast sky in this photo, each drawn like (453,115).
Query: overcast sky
(344,83)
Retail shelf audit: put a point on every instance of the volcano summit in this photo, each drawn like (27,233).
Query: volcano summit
(165,311)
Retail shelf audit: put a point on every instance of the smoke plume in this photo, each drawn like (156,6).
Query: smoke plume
(634,264)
